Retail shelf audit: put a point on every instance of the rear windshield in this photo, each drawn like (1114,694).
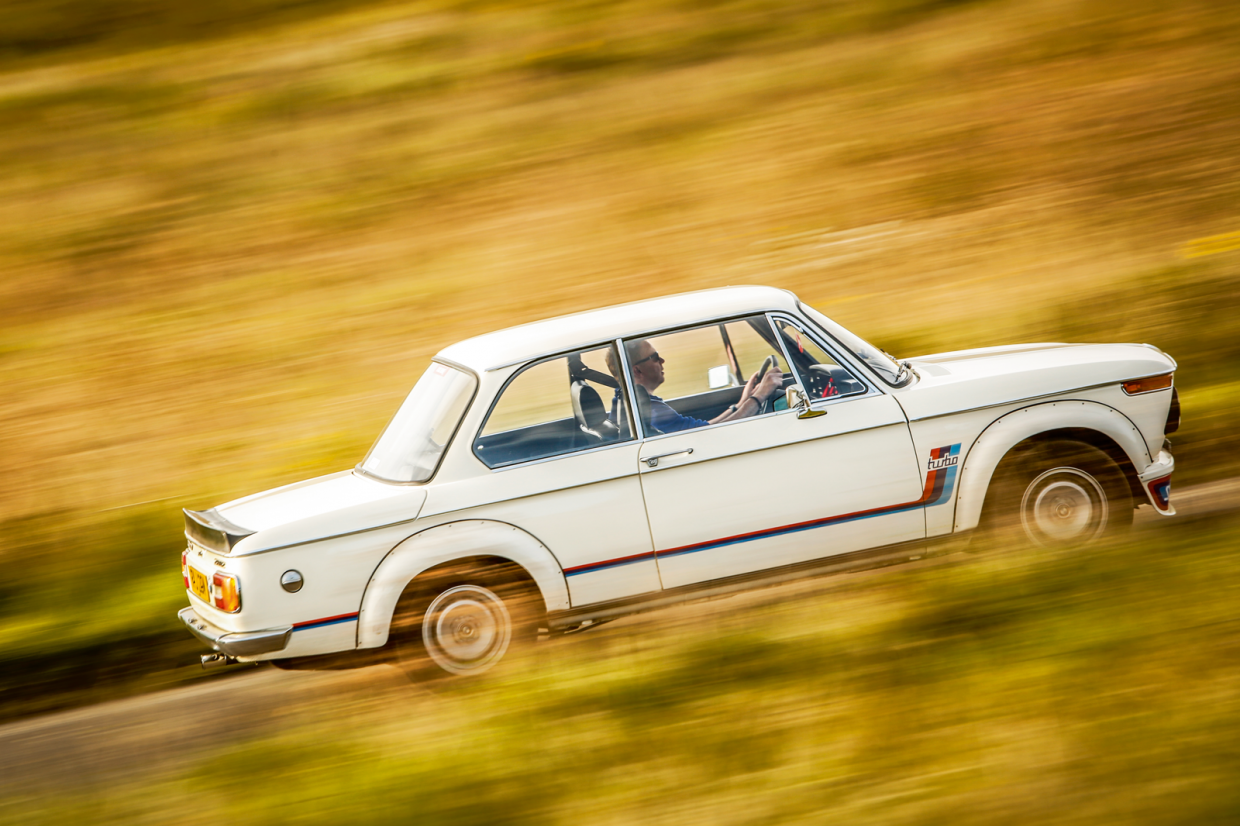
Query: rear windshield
(414,441)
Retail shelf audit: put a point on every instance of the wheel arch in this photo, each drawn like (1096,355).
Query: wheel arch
(1092,423)
(480,542)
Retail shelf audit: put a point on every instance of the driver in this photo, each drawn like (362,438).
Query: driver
(647,367)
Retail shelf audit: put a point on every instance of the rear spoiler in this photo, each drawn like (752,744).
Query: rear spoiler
(212,531)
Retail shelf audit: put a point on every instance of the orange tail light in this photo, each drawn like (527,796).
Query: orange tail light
(226,591)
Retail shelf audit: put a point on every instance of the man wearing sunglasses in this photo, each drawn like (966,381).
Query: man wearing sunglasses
(647,366)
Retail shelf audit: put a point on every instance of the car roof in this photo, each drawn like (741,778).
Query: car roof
(555,335)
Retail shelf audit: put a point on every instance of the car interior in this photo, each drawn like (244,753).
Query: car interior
(555,432)
(600,404)
(823,376)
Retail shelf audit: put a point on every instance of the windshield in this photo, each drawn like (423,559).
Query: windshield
(874,358)
(412,444)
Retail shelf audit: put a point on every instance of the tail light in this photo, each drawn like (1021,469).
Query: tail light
(1148,384)
(226,592)
(1173,414)
(185,568)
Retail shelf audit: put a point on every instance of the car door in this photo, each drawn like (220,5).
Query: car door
(566,474)
(773,489)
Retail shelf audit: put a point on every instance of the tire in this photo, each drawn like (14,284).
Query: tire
(464,623)
(1062,495)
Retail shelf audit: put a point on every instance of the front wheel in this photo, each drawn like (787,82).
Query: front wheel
(1065,495)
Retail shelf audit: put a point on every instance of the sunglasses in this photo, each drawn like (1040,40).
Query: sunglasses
(652,357)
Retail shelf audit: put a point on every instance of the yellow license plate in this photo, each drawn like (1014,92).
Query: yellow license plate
(198,584)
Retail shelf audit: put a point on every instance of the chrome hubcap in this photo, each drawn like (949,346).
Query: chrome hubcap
(1063,506)
(466,629)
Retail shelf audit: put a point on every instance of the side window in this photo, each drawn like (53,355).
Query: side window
(750,347)
(554,407)
(820,374)
(690,378)
(687,358)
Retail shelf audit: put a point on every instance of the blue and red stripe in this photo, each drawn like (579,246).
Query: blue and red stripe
(326,621)
(937,491)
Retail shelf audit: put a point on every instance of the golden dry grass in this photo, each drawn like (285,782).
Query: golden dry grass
(227,260)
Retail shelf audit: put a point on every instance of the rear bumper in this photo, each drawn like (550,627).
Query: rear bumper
(236,643)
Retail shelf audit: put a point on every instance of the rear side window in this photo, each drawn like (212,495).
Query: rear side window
(538,396)
(555,407)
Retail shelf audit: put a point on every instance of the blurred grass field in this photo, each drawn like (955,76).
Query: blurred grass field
(231,237)
(1014,687)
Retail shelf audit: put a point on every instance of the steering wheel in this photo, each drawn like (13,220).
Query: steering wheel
(764,405)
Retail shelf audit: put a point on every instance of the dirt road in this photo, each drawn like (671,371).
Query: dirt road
(157,735)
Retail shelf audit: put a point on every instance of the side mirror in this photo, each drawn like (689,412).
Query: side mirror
(798,401)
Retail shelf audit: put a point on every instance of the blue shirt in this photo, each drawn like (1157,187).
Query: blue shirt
(663,416)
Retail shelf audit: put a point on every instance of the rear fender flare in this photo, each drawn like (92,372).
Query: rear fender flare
(1004,433)
(445,543)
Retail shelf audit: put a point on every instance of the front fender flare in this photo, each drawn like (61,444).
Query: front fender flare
(445,543)
(1009,430)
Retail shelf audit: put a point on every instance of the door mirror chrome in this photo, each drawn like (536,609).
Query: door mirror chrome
(798,401)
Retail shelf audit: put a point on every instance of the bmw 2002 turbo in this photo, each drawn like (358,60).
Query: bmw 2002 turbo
(551,476)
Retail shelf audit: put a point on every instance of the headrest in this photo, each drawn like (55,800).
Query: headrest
(577,371)
(587,406)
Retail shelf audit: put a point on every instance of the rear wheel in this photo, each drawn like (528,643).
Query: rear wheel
(463,623)
(1063,495)
(466,629)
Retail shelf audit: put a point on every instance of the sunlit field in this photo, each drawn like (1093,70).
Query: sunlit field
(232,237)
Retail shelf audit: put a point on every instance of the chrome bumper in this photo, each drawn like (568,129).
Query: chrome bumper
(1161,469)
(236,643)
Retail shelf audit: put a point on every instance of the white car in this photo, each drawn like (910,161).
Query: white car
(562,473)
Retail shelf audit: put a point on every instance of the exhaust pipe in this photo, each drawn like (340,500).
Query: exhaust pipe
(217,660)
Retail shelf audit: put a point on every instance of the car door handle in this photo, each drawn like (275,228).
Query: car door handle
(653,461)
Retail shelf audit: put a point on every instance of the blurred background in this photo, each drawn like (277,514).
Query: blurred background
(232,235)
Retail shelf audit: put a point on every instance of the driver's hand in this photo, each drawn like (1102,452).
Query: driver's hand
(770,384)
